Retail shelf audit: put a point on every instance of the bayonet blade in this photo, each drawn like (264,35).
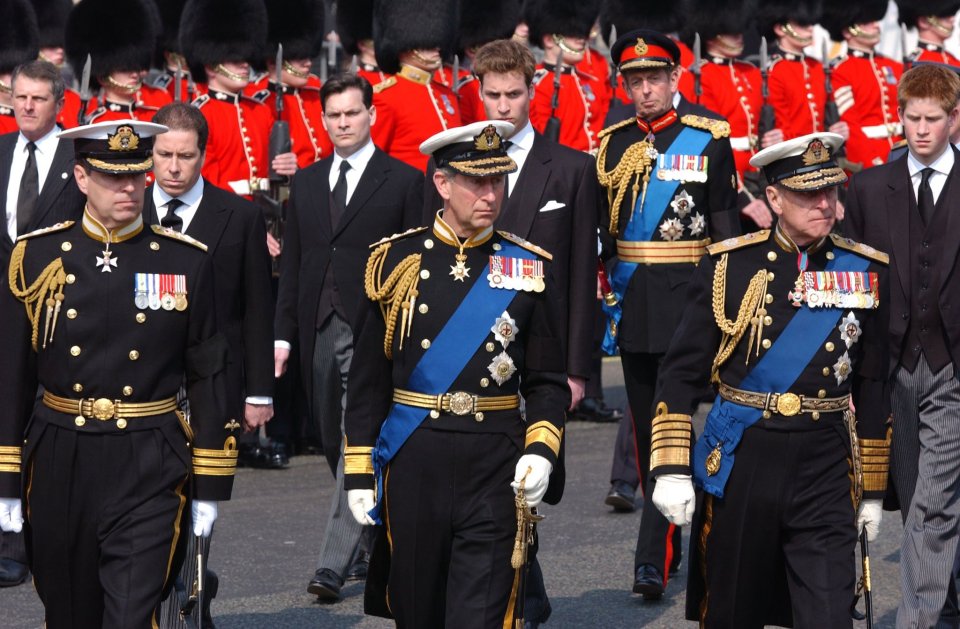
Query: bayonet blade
(85,80)
(696,54)
(177,82)
(455,80)
(279,62)
(763,55)
(354,64)
(613,36)
(903,43)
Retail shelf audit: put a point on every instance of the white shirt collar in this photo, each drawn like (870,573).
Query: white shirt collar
(46,144)
(523,139)
(190,197)
(358,161)
(942,165)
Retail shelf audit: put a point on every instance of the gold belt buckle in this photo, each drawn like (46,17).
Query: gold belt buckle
(103,409)
(461,403)
(788,404)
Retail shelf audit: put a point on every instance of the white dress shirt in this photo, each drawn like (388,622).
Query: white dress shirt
(191,202)
(521,143)
(941,166)
(358,162)
(46,148)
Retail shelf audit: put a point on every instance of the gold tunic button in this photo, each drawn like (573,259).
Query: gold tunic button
(497,246)
(134,354)
(815,415)
(766,414)
(830,255)
(491,347)
(772,256)
(768,320)
(72,313)
(128,390)
(766,343)
(71,278)
(423,308)
(66,246)
(822,393)
(79,421)
(428,244)
(121,423)
(768,299)
(829,346)
(478,417)
(78,388)
(141,317)
(484,382)
(425,343)
(826,371)
(75,350)
(770,276)
(425,274)
(434,414)
(155,246)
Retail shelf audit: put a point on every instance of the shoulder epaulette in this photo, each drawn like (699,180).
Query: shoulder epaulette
(526,244)
(616,126)
(260,96)
(738,242)
(717,128)
(913,56)
(201,100)
(538,76)
(902,144)
(385,84)
(159,230)
(409,232)
(99,111)
(46,230)
(833,63)
(774,60)
(257,77)
(465,80)
(161,81)
(859,248)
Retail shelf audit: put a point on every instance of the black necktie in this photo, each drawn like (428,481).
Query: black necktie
(29,190)
(925,196)
(171,219)
(339,194)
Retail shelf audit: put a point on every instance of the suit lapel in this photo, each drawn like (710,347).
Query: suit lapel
(6,156)
(521,208)
(898,207)
(372,178)
(55,182)
(210,219)
(951,244)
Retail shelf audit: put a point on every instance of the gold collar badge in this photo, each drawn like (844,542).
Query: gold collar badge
(641,48)
(125,139)
(816,153)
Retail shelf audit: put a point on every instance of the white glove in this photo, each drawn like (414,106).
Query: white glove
(537,479)
(204,515)
(360,502)
(673,496)
(869,516)
(11,515)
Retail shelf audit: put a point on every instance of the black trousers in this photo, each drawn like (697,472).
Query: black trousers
(451,524)
(778,548)
(659,543)
(105,515)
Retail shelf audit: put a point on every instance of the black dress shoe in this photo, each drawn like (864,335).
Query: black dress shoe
(271,456)
(361,565)
(12,573)
(621,497)
(648,582)
(326,586)
(591,409)
(211,586)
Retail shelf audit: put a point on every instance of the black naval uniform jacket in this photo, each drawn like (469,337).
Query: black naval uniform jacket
(537,354)
(104,346)
(653,301)
(687,365)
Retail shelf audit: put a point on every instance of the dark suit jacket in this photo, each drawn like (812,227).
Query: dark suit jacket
(387,200)
(235,235)
(555,173)
(877,213)
(60,198)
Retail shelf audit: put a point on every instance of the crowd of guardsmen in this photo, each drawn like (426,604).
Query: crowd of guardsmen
(758,73)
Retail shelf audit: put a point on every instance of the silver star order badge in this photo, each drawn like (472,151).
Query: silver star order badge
(671,229)
(698,223)
(505,329)
(850,329)
(502,367)
(841,369)
(682,204)
(460,270)
(106,261)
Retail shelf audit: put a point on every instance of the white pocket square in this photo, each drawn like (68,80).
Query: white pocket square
(552,205)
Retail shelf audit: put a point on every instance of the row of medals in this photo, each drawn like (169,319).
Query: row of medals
(168,301)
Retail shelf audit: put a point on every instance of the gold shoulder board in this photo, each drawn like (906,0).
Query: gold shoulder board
(46,230)
(859,248)
(717,128)
(753,238)
(384,84)
(175,235)
(623,123)
(899,145)
(526,244)
(409,232)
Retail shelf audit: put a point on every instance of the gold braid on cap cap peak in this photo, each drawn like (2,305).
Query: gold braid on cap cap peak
(46,290)
(636,163)
(398,292)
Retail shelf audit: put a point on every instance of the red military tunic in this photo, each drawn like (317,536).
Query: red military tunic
(147,102)
(166,81)
(578,115)
(411,108)
(237,154)
(594,70)
(471,102)
(71,110)
(933,52)
(865,90)
(8,124)
(303,112)
(732,89)
(798,94)
(372,73)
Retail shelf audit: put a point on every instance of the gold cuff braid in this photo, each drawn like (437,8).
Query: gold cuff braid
(670,439)
(357,460)
(546,433)
(875,454)
(216,462)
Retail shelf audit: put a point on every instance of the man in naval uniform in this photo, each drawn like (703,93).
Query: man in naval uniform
(110,317)
(790,325)
(458,325)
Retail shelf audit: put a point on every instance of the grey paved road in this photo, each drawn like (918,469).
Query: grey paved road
(268,538)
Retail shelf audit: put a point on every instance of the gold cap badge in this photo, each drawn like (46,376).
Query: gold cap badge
(641,47)
(816,153)
(487,140)
(125,139)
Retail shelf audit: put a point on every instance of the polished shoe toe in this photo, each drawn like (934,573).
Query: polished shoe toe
(326,586)
(621,497)
(648,582)
(12,573)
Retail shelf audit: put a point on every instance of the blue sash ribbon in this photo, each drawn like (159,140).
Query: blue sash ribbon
(440,365)
(776,372)
(643,224)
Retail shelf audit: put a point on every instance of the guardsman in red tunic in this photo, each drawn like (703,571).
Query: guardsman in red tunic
(411,106)
(173,59)
(934,21)
(562,29)
(52,21)
(864,82)
(221,35)
(595,71)
(18,44)
(355,29)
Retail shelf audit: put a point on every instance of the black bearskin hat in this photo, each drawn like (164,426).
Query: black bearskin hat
(401,25)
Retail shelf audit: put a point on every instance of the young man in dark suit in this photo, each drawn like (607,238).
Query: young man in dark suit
(337,207)
(905,208)
(38,190)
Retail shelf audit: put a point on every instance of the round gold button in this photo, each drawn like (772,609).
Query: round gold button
(425,343)
(829,346)
(768,299)
(121,423)
(768,320)
(78,388)
(425,274)
(141,317)
(830,255)
(428,244)
(134,354)
(79,420)
(75,350)
(770,276)
(72,313)
(128,390)
(826,371)
(822,393)
(497,246)
(434,414)
(66,246)
(423,308)
(772,256)
(155,245)
(478,417)
(815,415)
(490,347)
(484,382)
(766,414)
(766,343)
(71,278)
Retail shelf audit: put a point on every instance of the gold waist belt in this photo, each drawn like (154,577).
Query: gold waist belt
(662,251)
(786,404)
(103,409)
(457,402)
